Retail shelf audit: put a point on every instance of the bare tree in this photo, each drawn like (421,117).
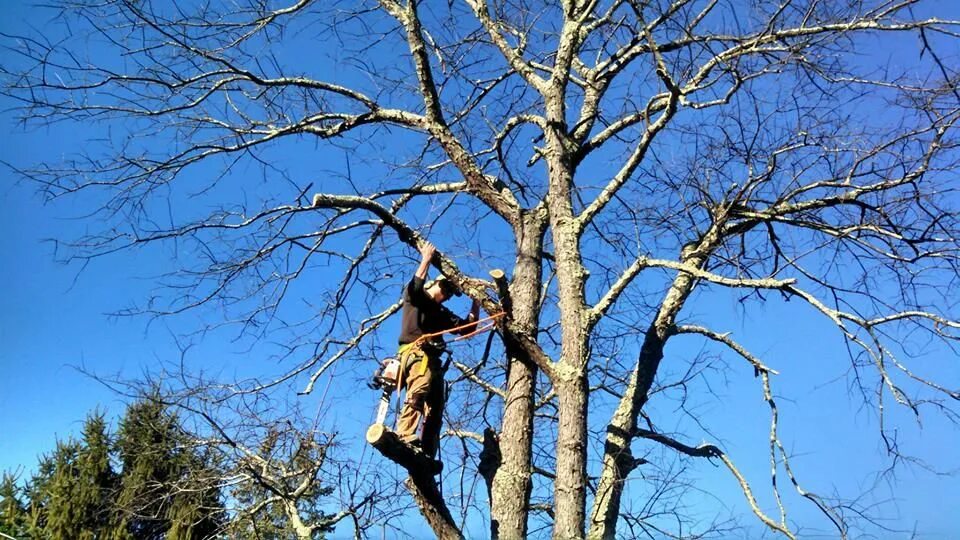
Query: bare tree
(292,481)
(635,156)
(269,475)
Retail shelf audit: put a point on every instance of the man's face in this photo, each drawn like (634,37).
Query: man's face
(438,293)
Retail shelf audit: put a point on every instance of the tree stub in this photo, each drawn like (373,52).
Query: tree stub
(503,289)
(389,444)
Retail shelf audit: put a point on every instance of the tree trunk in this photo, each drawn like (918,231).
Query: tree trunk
(570,373)
(511,485)
(618,460)
(570,487)
(570,380)
(303,531)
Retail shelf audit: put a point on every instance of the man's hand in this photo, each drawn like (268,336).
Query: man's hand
(427,251)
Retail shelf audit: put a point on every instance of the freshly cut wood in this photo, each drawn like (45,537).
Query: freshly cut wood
(414,460)
(503,289)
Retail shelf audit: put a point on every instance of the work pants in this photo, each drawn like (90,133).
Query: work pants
(422,378)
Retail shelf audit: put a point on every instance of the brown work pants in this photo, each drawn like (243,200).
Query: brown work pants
(422,378)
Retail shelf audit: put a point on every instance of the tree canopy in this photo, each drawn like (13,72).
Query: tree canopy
(630,165)
(154,479)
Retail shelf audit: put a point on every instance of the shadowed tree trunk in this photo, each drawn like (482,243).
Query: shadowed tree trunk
(512,482)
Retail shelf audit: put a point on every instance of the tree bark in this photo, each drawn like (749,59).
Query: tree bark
(570,487)
(570,377)
(511,484)
(618,460)
(421,482)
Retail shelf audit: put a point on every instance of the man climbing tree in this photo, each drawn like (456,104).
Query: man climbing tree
(424,321)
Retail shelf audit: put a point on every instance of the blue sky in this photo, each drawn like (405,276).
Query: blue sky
(54,317)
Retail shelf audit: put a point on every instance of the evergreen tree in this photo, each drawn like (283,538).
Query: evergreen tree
(196,510)
(13,515)
(96,480)
(70,496)
(167,489)
(269,522)
(146,444)
(63,516)
(38,496)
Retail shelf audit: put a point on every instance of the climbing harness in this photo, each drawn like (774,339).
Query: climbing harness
(389,375)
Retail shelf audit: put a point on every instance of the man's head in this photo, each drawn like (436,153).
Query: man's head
(441,289)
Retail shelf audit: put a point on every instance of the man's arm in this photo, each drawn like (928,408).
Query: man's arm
(471,318)
(415,291)
(427,251)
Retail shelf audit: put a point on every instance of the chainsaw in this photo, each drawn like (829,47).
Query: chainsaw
(385,379)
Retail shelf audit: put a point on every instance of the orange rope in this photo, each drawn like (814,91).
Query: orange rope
(480,329)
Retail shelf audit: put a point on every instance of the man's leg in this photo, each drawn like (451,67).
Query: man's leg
(433,420)
(417,382)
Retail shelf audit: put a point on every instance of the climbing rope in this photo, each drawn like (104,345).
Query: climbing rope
(414,346)
(479,330)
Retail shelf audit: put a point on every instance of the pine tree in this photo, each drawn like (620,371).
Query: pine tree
(71,494)
(268,523)
(13,514)
(196,511)
(146,444)
(63,516)
(38,496)
(167,489)
(96,481)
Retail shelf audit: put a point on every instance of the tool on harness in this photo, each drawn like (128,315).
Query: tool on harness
(385,378)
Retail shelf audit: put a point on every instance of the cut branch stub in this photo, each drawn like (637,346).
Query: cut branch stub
(389,444)
(503,290)
(421,483)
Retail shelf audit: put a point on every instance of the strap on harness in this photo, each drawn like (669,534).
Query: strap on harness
(415,349)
